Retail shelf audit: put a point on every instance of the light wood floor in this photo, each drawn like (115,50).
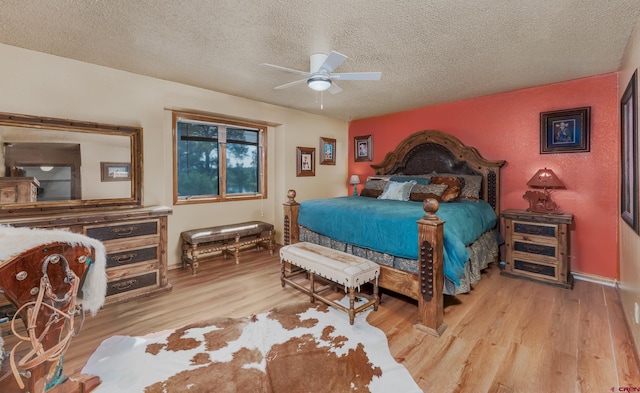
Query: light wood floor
(507,335)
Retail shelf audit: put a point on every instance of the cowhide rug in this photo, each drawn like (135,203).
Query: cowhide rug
(298,347)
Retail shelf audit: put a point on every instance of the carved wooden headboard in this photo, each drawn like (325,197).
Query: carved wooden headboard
(427,151)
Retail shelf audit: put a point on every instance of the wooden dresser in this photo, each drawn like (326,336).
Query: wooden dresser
(18,189)
(135,240)
(538,246)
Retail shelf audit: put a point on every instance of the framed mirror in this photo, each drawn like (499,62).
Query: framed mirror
(54,165)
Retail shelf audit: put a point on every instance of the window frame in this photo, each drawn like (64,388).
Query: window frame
(223,196)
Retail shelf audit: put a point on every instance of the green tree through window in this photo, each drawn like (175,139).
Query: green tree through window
(217,160)
(242,161)
(197,159)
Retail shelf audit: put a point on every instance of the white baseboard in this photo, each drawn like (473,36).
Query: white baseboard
(610,282)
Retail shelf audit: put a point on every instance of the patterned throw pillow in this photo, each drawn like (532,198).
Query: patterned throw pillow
(421,192)
(373,188)
(471,188)
(454,186)
(398,191)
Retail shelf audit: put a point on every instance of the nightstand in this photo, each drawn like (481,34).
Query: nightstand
(538,246)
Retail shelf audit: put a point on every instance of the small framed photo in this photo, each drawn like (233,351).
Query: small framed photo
(115,171)
(363,148)
(306,161)
(565,131)
(327,151)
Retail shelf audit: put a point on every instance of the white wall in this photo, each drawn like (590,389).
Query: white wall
(38,84)
(629,240)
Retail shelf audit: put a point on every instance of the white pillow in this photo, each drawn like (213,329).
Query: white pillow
(397,191)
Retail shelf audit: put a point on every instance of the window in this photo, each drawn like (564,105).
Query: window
(217,160)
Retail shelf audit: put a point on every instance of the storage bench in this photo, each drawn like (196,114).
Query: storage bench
(338,267)
(228,239)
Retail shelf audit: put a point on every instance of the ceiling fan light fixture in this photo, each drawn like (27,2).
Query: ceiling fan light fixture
(319,83)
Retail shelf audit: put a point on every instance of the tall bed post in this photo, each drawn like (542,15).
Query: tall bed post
(291,208)
(430,271)
(291,230)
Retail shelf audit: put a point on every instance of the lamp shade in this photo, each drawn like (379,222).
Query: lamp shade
(354,179)
(545,178)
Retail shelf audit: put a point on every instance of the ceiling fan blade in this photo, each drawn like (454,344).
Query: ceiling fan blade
(286,69)
(334,89)
(356,76)
(290,84)
(332,62)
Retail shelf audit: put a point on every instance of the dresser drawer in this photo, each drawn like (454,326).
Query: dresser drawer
(536,269)
(123,231)
(535,229)
(129,257)
(538,249)
(132,283)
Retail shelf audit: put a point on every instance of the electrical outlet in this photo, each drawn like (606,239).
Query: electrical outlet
(637,313)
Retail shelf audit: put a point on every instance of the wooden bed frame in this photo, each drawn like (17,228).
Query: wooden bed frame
(422,153)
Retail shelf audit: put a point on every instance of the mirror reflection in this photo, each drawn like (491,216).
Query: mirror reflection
(67,164)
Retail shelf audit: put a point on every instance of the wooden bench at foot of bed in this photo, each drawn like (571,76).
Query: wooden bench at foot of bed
(228,239)
(340,268)
(425,287)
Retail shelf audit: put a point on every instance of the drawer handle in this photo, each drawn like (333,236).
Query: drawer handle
(536,230)
(125,258)
(532,248)
(123,285)
(123,231)
(531,229)
(533,267)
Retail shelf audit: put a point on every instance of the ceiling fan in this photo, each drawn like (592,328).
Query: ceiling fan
(321,76)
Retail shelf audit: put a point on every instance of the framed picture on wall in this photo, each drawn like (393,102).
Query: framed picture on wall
(363,148)
(306,161)
(565,131)
(629,141)
(115,171)
(327,151)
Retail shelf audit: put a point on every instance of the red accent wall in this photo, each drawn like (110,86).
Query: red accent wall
(507,127)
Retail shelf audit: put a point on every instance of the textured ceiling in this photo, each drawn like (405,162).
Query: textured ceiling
(429,51)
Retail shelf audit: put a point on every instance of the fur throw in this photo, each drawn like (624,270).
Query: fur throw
(13,241)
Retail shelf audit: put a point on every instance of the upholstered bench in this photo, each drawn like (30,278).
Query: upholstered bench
(225,238)
(338,267)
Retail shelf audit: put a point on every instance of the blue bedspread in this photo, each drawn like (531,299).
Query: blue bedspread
(390,226)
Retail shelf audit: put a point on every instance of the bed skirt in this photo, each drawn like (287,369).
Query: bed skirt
(481,252)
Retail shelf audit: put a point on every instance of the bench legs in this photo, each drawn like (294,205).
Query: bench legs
(313,295)
(312,288)
(352,305)
(190,252)
(376,295)
(235,250)
(190,257)
(270,243)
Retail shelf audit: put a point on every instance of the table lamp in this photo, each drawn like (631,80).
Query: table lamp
(355,180)
(540,201)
